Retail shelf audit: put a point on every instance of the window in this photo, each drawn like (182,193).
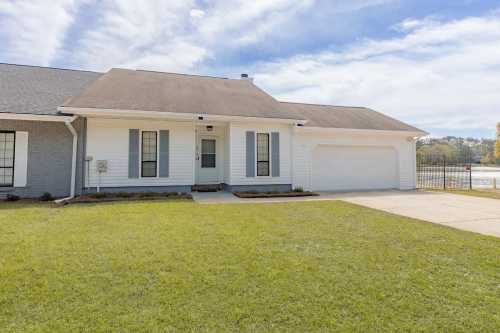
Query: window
(149,154)
(208,153)
(7,144)
(262,154)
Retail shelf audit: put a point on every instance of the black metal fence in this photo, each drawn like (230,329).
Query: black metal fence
(440,172)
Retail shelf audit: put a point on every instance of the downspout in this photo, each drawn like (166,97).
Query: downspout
(73,159)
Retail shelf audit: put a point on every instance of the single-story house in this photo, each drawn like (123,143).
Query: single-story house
(69,132)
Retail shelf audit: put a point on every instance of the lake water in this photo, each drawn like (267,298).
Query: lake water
(483,176)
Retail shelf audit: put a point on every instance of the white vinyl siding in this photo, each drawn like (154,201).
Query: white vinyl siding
(107,139)
(237,153)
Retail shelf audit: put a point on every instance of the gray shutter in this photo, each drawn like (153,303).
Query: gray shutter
(133,153)
(164,153)
(250,144)
(275,151)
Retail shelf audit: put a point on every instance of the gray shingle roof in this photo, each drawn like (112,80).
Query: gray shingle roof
(169,92)
(39,90)
(330,116)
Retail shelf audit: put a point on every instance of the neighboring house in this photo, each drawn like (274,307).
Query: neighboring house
(67,132)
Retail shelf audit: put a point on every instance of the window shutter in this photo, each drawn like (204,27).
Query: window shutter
(21,159)
(275,151)
(164,153)
(133,153)
(250,154)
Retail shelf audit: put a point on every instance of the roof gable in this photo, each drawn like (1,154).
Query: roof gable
(123,89)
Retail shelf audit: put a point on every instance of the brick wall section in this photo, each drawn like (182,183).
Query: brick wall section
(49,157)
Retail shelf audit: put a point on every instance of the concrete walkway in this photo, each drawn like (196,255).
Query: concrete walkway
(481,215)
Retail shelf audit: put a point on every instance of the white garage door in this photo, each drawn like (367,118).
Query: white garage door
(343,168)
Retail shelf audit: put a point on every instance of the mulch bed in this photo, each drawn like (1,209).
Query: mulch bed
(112,197)
(274,194)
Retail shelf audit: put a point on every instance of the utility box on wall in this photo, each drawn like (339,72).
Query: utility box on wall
(102,166)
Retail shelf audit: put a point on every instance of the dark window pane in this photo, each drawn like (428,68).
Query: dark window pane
(207,146)
(208,161)
(262,168)
(262,147)
(148,169)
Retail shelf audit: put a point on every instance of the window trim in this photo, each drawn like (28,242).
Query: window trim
(13,161)
(157,154)
(257,154)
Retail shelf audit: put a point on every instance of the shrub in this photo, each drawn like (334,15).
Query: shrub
(298,189)
(46,197)
(12,197)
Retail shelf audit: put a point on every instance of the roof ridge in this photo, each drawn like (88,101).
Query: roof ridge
(49,67)
(337,106)
(184,74)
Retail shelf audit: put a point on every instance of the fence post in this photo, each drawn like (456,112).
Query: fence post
(444,173)
(470,176)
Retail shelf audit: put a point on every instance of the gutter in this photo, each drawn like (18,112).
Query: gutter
(73,159)
(179,116)
(34,117)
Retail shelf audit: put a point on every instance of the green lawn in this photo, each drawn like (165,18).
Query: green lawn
(181,266)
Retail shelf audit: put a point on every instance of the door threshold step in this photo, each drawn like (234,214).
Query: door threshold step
(206,188)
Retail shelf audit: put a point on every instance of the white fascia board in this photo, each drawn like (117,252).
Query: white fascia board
(413,134)
(118,113)
(35,117)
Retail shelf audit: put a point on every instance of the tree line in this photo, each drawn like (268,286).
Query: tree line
(483,151)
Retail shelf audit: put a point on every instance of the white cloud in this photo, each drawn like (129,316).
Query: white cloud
(438,75)
(132,33)
(33,32)
(243,22)
(197,13)
(173,35)
(183,35)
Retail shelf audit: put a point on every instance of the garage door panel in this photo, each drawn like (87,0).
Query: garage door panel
(341,168)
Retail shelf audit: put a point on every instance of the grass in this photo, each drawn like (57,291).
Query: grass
(492,194)
(181,266)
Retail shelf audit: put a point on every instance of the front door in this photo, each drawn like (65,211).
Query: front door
(207,162)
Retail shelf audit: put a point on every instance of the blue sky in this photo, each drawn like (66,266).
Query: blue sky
(434,64)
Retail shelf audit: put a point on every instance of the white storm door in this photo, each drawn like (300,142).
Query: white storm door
(207,162)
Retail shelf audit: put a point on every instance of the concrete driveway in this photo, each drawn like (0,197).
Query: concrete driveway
(481,215)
